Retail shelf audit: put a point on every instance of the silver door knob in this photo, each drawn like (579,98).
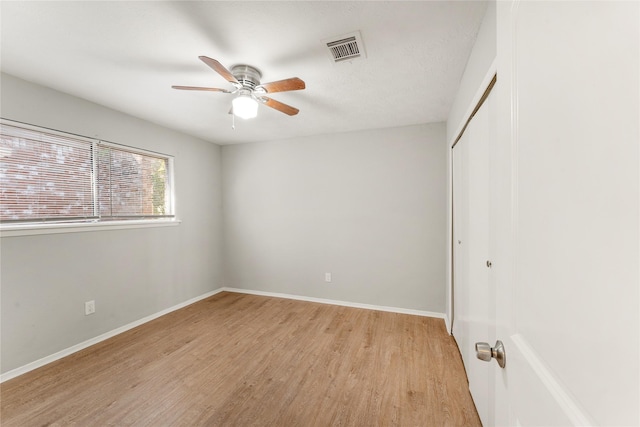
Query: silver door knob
(486,353)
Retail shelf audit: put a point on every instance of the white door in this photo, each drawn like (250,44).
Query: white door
(474,316)
(565,196)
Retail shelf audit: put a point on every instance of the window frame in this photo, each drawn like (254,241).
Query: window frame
(71,225)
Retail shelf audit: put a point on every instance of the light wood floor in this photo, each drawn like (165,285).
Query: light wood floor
(245,360)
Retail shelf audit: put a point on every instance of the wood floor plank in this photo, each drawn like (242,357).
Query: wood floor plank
(245,360)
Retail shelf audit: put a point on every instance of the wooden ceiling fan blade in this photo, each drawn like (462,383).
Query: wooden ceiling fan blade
(286,85)
(220,69)
(210,89)
(277,105)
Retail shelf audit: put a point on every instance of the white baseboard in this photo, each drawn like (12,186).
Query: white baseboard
(75,348)
(341,303)
(447,323)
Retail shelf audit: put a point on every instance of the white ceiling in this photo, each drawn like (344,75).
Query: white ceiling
(126,55)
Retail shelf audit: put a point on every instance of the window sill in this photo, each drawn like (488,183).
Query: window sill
(34,229)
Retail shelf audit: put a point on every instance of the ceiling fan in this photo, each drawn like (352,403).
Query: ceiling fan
(246,80)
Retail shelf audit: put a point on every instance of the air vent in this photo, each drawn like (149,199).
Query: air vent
(345,47)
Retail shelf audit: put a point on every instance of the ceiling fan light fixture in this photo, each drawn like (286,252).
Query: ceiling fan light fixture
(244,106)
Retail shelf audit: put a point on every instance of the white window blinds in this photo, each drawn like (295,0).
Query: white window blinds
(46,176)
(131,184)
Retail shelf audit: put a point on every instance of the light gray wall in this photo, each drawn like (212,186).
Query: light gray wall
(368,206)
(480,60)
(479,65)
(45,279)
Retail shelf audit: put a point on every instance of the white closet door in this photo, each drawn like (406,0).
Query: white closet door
(474,312)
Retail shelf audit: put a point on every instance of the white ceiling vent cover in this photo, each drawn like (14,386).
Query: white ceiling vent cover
(346,47)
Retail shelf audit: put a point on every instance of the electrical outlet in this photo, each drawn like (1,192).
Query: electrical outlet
(89,307)
(327,277)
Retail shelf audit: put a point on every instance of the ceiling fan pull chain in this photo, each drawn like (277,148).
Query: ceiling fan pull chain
(233,121)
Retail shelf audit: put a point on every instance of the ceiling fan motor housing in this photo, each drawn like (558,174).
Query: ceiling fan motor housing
(247,76)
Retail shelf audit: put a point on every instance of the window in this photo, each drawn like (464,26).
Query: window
(131,184)
(48,176)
